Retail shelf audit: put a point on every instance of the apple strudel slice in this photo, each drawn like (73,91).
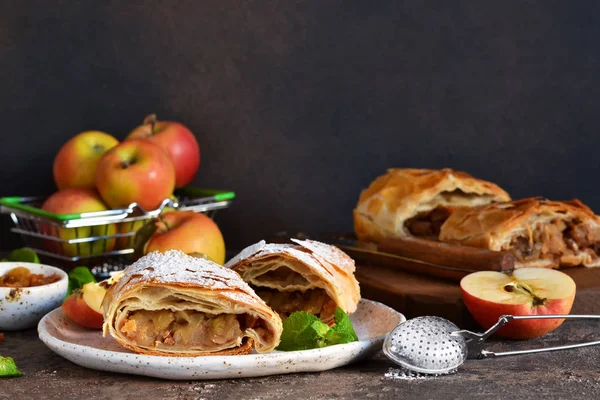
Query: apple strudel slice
(305,276)
(539,232)
(178,305)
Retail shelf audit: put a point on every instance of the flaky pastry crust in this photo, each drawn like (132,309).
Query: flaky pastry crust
(542,233)
(401,193)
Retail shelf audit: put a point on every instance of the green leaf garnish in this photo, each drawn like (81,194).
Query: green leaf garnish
(342,331)
(8,368)
(304,331)
(23,255)
(78,277)
(301,331)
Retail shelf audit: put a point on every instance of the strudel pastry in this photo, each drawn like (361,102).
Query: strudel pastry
(305,276)
(539,232)
(416,202)
(178,305)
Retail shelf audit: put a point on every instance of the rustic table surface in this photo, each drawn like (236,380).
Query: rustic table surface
(562,375)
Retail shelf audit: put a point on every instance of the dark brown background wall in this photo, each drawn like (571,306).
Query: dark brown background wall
(298,105)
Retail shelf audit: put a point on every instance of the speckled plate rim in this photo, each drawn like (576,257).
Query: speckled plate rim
(222,367)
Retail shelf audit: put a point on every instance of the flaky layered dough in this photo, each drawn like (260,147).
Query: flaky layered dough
(177,305)
(308,275)
(415,202)
(539,232)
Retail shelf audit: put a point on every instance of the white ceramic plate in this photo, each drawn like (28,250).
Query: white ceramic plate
(372,321)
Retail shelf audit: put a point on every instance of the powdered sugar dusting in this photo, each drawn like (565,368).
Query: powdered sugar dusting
(330,253)
(294,252)
(245,253)
(406,375)
(174,266)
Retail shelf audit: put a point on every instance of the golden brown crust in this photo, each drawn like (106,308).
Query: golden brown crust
(400,194)
(495,225)
(245,348)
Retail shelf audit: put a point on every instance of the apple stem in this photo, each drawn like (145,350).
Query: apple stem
(150,119)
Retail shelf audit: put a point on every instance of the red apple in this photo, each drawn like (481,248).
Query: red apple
(136,170)
(75,163)
(189,232)
(83,306)
(76,201)
(529,291)
(177,140)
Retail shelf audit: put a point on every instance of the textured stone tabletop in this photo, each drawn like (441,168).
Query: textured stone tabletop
(561,375)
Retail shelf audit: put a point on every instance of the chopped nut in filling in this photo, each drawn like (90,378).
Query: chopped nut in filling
(559,240)
(313,301)
(185,328)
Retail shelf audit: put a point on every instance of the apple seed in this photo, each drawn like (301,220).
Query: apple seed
(523,288)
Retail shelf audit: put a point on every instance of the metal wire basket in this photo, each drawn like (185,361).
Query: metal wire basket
(97,238)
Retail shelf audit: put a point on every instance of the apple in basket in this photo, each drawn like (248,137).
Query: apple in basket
(177,140)
(187,231)
(529,291)
(84,306)
(136,170)
(127,242)
(77,201)
(75,163)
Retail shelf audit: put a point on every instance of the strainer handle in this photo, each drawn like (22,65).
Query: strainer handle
(507,318)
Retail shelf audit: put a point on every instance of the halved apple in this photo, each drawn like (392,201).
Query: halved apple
(84,306)
(528,291)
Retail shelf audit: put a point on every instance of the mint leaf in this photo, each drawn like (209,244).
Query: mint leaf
(8,368)
(78,277)
(304,331)
(343,326)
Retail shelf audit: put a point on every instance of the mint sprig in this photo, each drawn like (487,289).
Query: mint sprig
(8,368)
(304,331)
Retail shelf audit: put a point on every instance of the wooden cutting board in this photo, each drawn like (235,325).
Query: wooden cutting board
(416,295)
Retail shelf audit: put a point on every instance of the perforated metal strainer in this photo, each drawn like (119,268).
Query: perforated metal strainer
(434,345)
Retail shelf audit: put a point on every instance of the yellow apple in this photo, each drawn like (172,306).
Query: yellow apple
(75,163)
(77,201)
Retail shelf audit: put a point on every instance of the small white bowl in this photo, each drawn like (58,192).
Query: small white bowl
(22,308)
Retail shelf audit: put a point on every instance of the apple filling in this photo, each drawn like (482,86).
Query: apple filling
(427,224)
(287,291)
(561,241)
(313,301)
(184,329)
